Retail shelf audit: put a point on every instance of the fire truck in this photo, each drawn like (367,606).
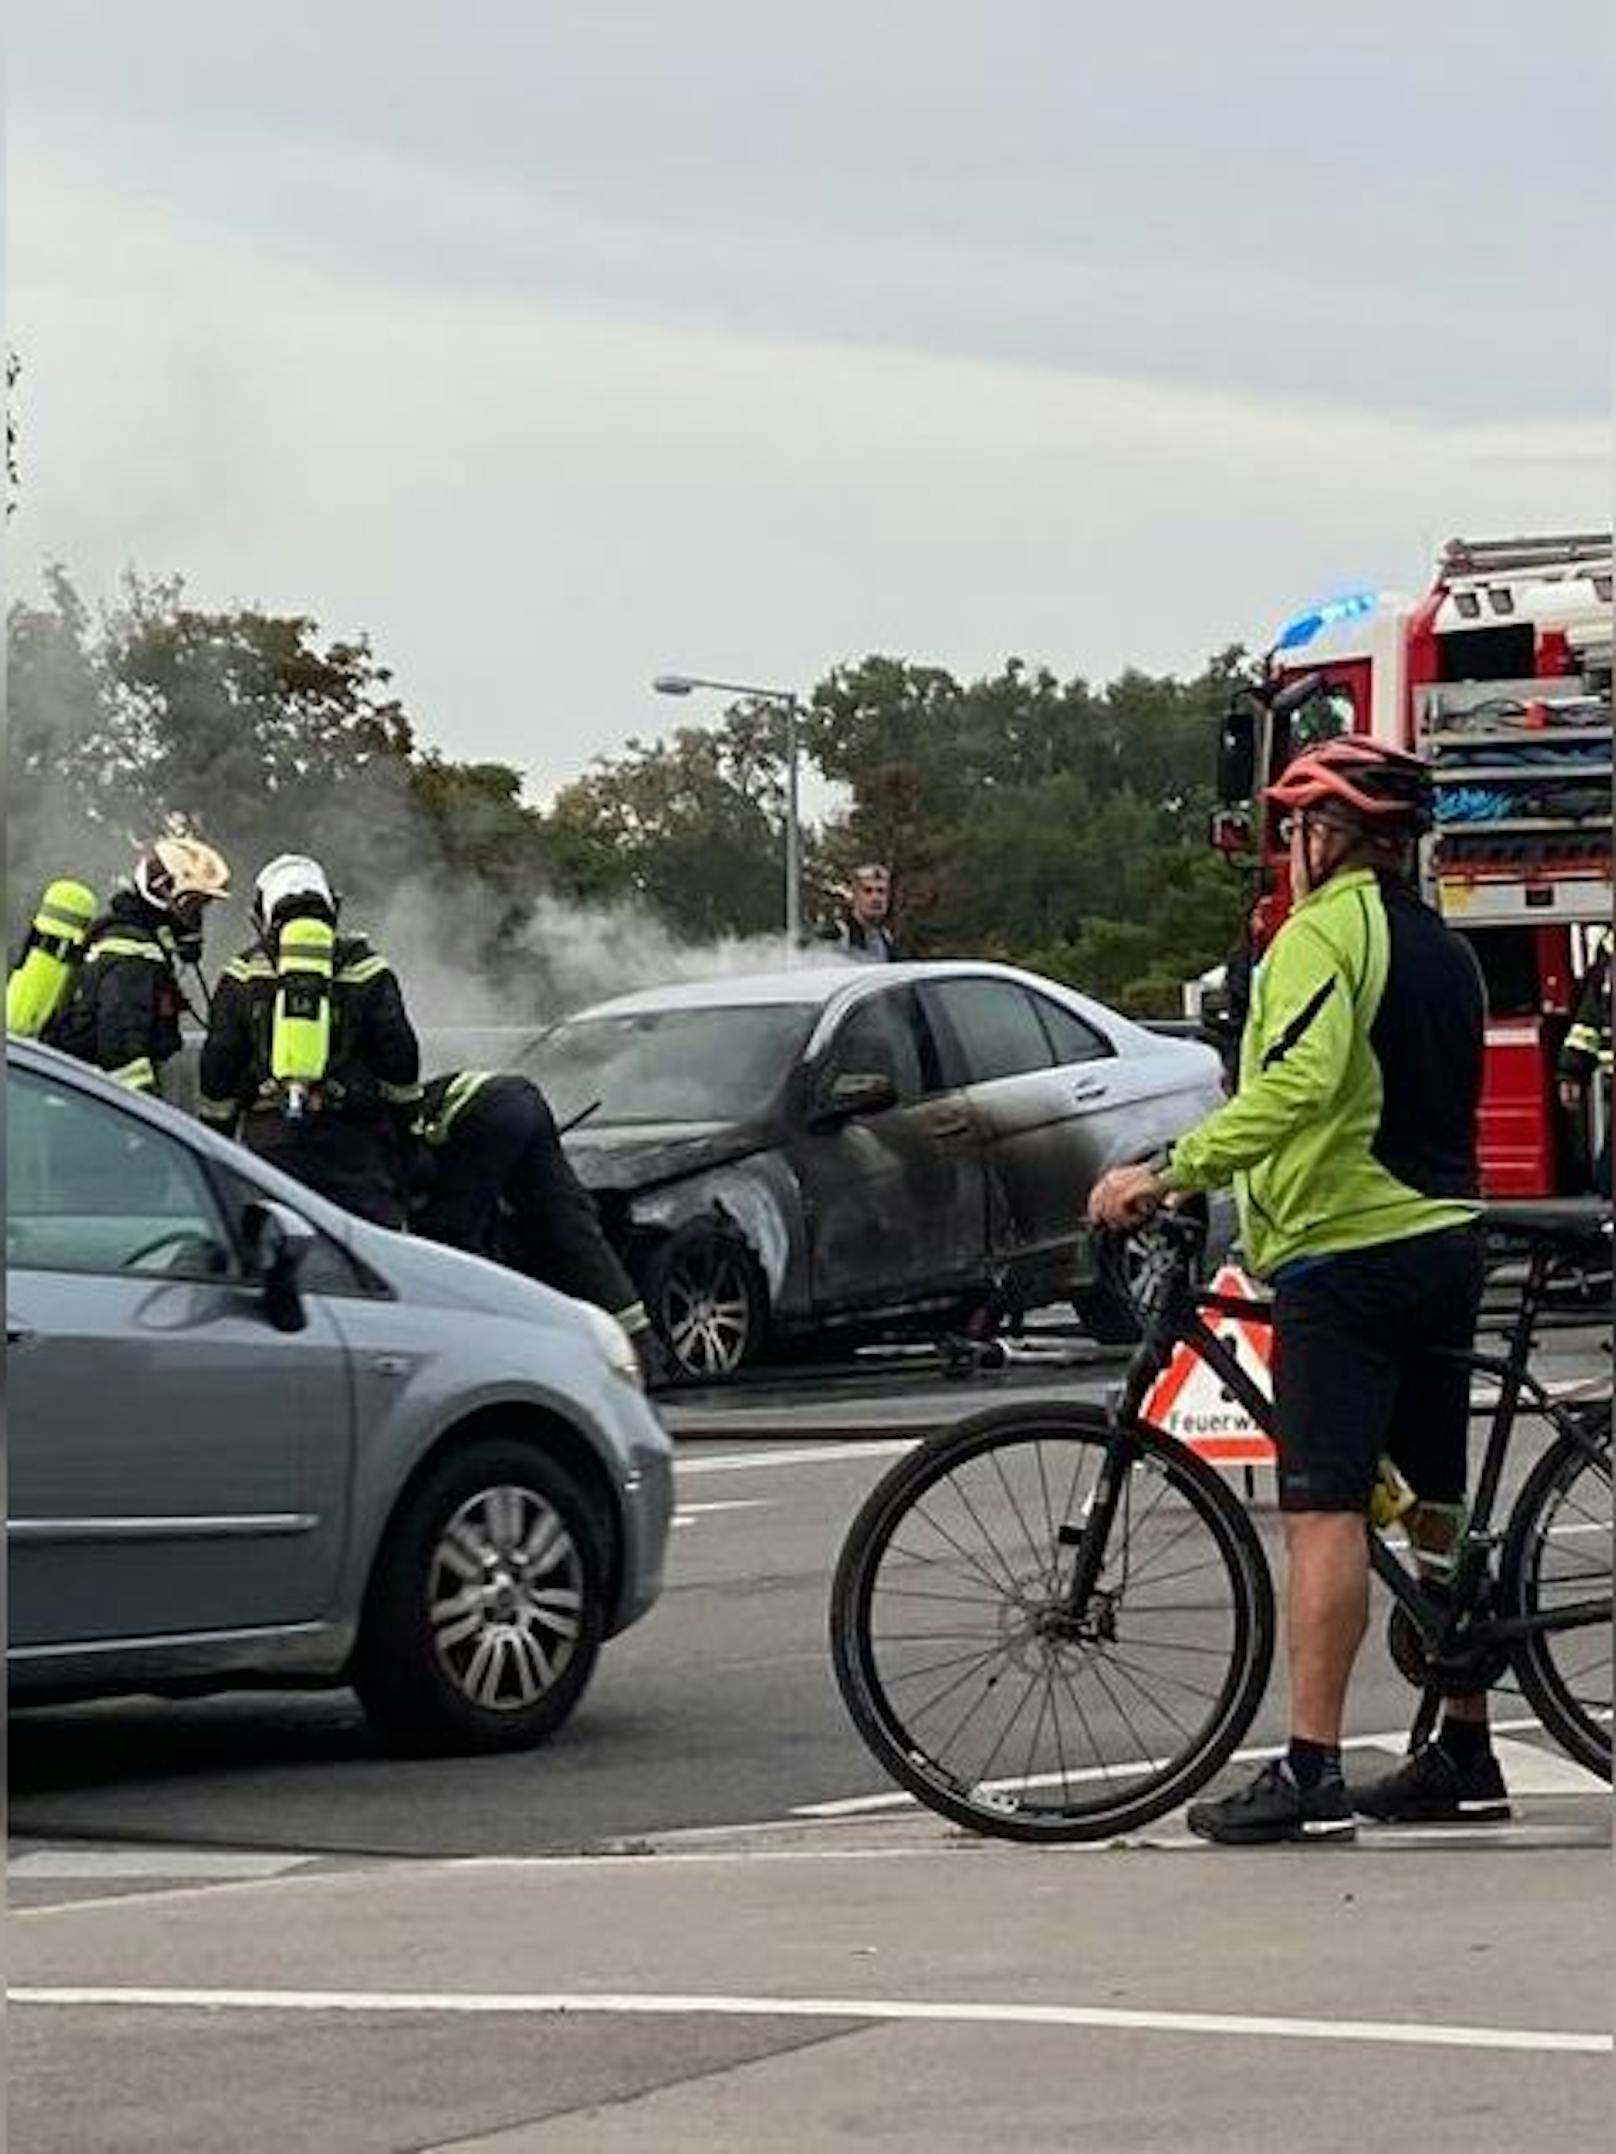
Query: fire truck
(1500,675)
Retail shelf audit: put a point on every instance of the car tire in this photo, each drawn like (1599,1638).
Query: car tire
(709,1303)
(487,1605)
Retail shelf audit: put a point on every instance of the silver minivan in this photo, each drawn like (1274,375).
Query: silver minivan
(257,1441)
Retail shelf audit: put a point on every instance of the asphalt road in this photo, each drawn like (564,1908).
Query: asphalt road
(720,1710)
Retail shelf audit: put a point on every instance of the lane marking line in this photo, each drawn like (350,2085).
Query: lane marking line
(1095,2018)
(822,1455)
(63,1864)
(1522,1754)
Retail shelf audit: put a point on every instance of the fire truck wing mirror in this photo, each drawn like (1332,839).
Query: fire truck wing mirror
(1231,831)
(1295,693)
(1237,754)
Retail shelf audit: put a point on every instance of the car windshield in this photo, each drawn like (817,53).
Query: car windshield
(687,1065)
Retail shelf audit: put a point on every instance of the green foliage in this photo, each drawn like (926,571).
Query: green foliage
(1048,822)
(691,827)
(1051,823)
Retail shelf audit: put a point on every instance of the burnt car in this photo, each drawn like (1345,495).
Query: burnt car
(840,1152)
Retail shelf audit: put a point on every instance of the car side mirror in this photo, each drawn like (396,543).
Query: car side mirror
(278,1240)
(856,1092)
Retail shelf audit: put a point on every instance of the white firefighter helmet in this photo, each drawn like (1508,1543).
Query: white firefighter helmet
(291,878)
(180,874)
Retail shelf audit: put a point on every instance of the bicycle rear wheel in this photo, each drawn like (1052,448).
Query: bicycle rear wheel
(1557,1553)
(973,1681)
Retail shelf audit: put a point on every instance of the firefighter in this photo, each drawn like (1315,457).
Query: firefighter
(495,1182)
(311,1059)
(1586,1054)
(122,1011)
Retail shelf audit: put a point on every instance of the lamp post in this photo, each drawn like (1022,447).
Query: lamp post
(683,684)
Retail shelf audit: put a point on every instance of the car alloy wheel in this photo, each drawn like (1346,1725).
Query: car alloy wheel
(505,1598)
(709,1309)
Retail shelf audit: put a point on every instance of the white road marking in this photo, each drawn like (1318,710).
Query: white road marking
(687,1513)
(61,1865)
(1528,1770)
(822,1455)
(1094,2018)
(1524,1766)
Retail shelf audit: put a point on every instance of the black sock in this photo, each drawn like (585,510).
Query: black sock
(1465,1741)
(1312,1762)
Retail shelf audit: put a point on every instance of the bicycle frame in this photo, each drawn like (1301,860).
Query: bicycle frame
(1446,1625)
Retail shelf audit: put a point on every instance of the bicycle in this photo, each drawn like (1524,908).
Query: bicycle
(1053,1622)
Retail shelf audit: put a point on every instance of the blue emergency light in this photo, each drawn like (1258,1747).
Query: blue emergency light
(1307,625)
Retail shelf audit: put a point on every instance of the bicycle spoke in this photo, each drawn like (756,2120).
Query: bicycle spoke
(1124,1668)
(986,1767)
(1010,1498)
(1114,1659)
(995,1584)
(928,1593)
(1010,1577)
(995,1651)
(1096,1667)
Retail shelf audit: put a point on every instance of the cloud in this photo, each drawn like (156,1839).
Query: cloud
(535,505)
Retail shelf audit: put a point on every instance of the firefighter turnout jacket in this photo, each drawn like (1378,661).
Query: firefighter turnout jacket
(498,1184)
(1587,1050)
(123,1011)
(344,1133)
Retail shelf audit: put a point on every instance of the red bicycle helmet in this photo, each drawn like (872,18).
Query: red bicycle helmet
(1380,786)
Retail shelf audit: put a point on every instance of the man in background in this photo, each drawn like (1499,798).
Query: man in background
(863,931)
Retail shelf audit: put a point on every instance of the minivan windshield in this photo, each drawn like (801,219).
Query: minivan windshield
(721,1064)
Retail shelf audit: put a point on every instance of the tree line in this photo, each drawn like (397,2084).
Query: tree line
(1048,822)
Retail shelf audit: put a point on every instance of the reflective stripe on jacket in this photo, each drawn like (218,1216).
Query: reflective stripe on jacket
(375,1061)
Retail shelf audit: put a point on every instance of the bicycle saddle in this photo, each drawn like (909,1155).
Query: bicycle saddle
(1548,1219)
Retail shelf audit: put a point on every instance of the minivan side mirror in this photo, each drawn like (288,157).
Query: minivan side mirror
(855,1092)
(278,1239)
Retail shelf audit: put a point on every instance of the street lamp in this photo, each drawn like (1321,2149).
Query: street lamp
(682,684)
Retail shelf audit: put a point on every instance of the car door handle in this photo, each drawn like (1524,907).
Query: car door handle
(1085,1095)
(952,1125)
(19,1334)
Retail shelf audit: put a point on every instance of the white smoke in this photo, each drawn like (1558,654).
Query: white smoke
(564,957)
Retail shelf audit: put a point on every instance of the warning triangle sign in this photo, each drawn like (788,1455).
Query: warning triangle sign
(1189,1401)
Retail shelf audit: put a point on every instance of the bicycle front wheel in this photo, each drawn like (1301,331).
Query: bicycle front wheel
(1557,1558)
(983,1691)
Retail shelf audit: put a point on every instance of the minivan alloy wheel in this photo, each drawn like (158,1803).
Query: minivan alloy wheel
(505,1597)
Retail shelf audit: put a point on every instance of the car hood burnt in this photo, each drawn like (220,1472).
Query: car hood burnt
(639,1155)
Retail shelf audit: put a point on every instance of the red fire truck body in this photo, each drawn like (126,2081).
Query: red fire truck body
(1501,676)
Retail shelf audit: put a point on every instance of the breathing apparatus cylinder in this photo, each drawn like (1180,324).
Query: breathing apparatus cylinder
(300,1036)
(51,952)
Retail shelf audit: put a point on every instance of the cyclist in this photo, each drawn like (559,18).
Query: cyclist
(1351,1141)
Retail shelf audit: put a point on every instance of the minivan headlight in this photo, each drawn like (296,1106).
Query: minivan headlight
(615,1344)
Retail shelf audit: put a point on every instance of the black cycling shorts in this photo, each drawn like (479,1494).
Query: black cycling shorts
(1360,1368)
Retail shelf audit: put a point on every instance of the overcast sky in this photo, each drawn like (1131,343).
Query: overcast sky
(561,342)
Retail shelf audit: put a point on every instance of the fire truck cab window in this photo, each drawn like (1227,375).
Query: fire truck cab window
(1323,717)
